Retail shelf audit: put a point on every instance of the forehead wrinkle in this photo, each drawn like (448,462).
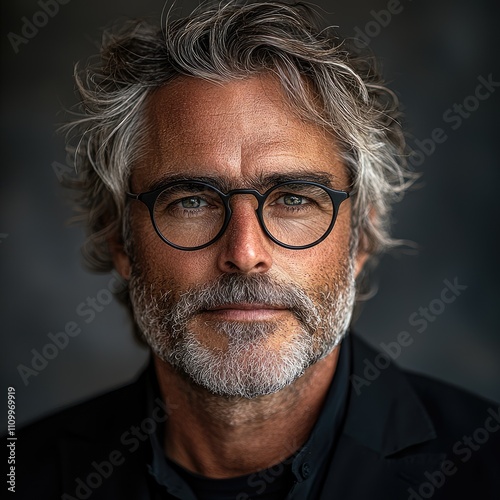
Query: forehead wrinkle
(234,171)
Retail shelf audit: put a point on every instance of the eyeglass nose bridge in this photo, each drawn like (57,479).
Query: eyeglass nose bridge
(261,198)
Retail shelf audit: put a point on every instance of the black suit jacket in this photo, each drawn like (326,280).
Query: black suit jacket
(403,437)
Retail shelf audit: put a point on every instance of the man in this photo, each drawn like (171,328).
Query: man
(237,169)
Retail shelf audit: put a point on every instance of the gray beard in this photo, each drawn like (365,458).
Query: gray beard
(246,367)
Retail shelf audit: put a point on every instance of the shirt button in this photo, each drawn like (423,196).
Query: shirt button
(306,470)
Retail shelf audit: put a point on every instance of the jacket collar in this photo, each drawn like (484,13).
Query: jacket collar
(384,413)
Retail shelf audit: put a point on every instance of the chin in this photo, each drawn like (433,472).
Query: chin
(255,361)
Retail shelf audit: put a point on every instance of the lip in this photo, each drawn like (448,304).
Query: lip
(246,312)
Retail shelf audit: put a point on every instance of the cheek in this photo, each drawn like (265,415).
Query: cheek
(322,264)
(169,268)
(148,249)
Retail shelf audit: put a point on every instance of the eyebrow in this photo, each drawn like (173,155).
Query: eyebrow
(260,182)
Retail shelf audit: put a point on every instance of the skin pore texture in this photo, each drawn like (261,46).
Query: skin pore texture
(239,133)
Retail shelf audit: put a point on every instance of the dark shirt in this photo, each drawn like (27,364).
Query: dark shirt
(293,478)
(268,484)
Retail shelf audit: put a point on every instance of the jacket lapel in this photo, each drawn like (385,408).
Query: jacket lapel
(381,453)
(385,415)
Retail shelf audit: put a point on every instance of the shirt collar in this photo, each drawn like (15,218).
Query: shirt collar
(311,460)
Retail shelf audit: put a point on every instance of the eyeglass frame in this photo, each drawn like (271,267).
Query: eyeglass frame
(149,199)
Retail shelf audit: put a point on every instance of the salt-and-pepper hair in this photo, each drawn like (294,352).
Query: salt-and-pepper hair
(324,77)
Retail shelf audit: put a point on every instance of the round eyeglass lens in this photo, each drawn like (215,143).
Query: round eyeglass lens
(298,214)
(189,214)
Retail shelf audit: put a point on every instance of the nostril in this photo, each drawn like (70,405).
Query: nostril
(245,248)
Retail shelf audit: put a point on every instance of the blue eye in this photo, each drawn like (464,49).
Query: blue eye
(293,199)
(193,202)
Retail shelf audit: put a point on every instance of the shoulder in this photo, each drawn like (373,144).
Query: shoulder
(52,453)
(450,409)
(437,436)
(90,417)
(439,397)
(447,403)
(467,431)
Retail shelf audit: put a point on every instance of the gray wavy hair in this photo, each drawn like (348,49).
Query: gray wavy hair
(325,78)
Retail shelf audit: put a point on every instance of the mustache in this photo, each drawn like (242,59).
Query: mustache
(248,289)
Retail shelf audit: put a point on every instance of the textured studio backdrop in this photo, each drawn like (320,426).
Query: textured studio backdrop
(441,57)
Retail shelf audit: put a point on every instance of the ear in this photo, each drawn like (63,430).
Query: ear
(121,260)
(363,248)
(361,258)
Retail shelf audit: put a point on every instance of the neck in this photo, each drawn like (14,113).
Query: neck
(227,437)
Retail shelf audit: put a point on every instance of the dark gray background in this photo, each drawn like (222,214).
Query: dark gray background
(432,52)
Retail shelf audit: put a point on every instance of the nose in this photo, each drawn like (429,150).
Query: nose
(244,247)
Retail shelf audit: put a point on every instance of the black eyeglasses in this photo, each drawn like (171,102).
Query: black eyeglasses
(190,215)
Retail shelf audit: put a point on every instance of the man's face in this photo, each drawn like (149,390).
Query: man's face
(244,316)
